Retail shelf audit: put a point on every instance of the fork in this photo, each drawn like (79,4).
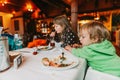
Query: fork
(62,58)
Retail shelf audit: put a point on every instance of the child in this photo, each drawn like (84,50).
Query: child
(97,49)
(64,29)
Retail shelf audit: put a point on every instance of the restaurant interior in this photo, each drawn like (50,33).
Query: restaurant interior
(35,17)
(31,19)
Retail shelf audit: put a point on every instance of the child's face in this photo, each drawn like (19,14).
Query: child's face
(58,28)
(85,38)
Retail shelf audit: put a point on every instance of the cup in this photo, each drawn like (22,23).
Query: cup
(52,43)
(13,55)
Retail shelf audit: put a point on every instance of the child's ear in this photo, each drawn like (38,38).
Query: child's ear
(95,40)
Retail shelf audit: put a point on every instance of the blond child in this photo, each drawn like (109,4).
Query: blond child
(97,49)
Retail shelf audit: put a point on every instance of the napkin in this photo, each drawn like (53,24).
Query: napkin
(37,42)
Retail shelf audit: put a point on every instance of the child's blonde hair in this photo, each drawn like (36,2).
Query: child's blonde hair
(97,30)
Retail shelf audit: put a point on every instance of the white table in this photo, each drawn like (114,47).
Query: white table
(32,70)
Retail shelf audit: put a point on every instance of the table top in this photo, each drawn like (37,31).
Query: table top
(31,68)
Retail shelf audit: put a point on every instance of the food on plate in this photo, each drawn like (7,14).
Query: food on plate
(44,47)
(45,61)
(64,65)
(55,62)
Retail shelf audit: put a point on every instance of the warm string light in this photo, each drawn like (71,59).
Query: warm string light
(3,2)
(13,12)
(29,7)
(97,16)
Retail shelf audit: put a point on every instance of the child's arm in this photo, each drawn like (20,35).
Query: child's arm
(52,34)
(76,45)
(69,48)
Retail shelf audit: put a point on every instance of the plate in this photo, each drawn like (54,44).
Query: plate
(72,61)
(44,48)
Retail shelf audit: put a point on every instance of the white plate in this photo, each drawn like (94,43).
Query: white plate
(44,48)
(67,61)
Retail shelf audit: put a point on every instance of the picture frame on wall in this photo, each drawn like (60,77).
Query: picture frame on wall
(1,21)
(115,19)
(16,25)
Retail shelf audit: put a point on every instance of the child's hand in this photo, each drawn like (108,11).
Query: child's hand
(68,47)
(75,45)
(52,34)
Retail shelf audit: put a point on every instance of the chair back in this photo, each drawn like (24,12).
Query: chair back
(96,75)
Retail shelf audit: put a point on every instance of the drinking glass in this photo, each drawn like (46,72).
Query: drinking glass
(52,42)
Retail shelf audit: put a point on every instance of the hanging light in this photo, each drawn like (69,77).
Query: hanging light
(3,2)
(13,12)
(29,7)
(97,16)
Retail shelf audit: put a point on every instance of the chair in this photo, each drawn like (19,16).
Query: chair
(96,75)
(118,38)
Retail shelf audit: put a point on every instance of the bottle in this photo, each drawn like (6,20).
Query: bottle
(18,41)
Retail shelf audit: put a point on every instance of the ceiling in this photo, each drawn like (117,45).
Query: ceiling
(12,5)
(57,7)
